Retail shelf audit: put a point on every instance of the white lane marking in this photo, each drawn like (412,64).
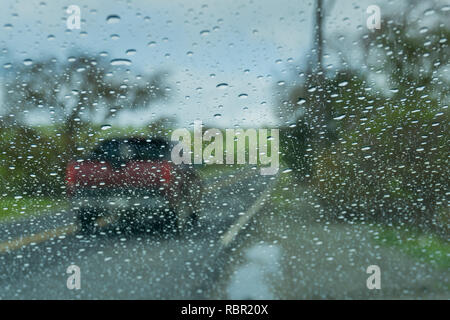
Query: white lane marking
(21,242)
(234,230)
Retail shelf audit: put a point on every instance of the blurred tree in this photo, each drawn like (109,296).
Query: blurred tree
(163,125)
(77,91)
(392,158)
(307,109)
(386,153)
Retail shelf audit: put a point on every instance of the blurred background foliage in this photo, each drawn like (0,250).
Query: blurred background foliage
(373,140)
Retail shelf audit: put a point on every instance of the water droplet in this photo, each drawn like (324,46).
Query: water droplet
(130,52)
(28,62)
(222,85)
(204,32)
(339,117)
(113,18)
(421,88)
(243,96)
(423,30)
(301,101)
(217,116)
(120,62)
(106,127)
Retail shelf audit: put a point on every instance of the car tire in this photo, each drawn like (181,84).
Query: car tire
(86,219)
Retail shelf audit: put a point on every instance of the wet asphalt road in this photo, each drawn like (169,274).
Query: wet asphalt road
(119,265)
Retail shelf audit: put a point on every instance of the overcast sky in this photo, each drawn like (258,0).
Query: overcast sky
(250,45)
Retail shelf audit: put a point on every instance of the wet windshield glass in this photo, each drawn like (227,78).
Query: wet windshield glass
(245,149)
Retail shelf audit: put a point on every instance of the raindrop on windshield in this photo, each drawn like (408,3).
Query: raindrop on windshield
(111,19)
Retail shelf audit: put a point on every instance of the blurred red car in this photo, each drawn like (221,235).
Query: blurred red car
(133,181)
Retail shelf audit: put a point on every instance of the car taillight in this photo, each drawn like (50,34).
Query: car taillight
(70,177)
(166,172)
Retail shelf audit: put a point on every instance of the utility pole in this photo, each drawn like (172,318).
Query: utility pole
(318,36)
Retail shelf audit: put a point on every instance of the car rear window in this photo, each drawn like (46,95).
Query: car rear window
(127,150)
(150,150)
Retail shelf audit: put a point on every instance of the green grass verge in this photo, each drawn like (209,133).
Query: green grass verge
(218,170)
(12,208)
(423,246)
